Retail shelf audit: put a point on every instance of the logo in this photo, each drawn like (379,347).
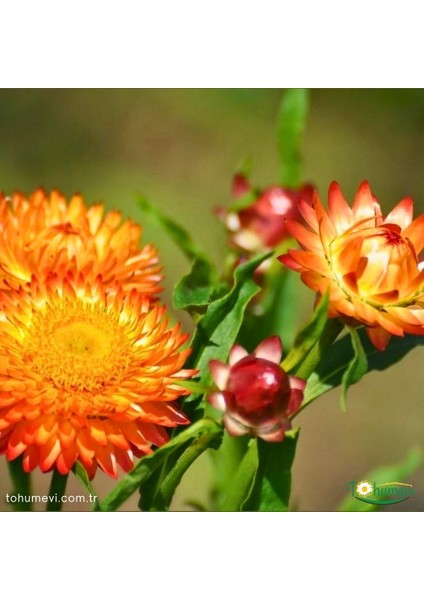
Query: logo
(391,492)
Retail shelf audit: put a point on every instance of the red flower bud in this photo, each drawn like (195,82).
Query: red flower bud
(256,394)
(262,224)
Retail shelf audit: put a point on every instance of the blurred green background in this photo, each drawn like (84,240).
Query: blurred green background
(180,148)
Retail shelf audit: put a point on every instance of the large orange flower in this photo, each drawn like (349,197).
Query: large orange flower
(87,373)
(45,233)
(369,263)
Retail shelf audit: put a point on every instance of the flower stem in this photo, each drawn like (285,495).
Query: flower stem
(166,491)
(243,480)
(56,491)
(21,484)
(331,331)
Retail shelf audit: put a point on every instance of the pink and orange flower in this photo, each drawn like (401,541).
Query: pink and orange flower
(255,394)
(370,264)
(262,224)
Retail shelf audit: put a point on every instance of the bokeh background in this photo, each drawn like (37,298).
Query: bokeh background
(180,148)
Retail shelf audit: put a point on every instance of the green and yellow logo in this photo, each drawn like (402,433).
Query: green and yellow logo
(371,492)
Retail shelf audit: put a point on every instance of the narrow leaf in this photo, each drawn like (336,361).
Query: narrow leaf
(176,232)
(329,372)
(217,330)
(357,367)
(81,474)
(272,484)
(308,336)
(291,124)
(148,464)
(209,439)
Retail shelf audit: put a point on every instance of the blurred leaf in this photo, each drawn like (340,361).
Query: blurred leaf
(210,439)
(175,231)
(330,371)
(308,336)
(197,288)
(150,463)
(291,124)
(397,472)
(81,474)
(217,330)
(272,483)
(356,368)
(21,483)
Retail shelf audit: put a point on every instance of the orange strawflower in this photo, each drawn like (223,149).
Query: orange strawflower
(87,373)
(369,263)
(45,234)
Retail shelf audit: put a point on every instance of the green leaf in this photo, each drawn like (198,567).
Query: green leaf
(208,440)
(150,463)
(213,338)
(356,368)
(397,472)
(291,124)
(175,231)
(272,483)
(217,330)
(197,288)
(308,336)
(330,371)
(81,474)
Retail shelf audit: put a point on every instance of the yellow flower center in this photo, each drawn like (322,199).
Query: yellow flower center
(78,346)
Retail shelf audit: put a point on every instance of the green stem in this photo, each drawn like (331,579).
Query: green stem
(243,480)
(21,484)
(166,491)
(56,491)
(331,331)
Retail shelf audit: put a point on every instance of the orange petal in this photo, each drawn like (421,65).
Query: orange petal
(401,214)
(379,337)
(338,209)
(415,233)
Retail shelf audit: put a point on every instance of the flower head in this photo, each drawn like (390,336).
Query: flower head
(87,373)
(255,393)
(262,224)
(45,233)
(369,263)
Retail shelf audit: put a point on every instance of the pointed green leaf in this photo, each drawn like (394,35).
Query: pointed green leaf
(81,474)
(397,472)
(291,124)
(356,368)
(176,232)
(150,463)
(210,439)
(217,330)
(330,371)
(272,483)
(197,288)
(308,336)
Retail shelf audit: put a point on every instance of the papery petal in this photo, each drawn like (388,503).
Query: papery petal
(270,349)
(220,373)
(236,353)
